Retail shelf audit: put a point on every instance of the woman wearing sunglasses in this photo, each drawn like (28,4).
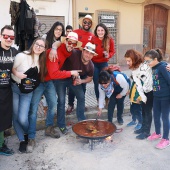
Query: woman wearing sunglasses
(34,58)
(105,50)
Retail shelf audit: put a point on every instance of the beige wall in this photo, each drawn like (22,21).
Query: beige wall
(130,24)
(131,19)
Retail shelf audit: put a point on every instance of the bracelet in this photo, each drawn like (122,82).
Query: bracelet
(53,48)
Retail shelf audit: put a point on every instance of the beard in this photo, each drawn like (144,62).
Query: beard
(86,29)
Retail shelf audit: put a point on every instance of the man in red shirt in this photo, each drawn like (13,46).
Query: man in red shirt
(78,60)
(84,34)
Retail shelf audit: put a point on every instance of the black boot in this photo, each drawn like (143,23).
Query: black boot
(26,138)
(23,146)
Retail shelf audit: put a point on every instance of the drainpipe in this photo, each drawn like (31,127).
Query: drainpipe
(74,14)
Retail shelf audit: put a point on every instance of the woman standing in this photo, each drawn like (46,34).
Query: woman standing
(105,50)
(34,58)
(53,35)
(142,76)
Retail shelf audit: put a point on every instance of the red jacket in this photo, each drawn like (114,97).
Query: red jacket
(84,36)
(99,50)
(53,68)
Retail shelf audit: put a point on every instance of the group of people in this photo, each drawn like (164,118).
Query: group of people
(20,108)
(70,61)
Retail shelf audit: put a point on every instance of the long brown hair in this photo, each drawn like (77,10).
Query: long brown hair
(106,39)
(42,58)
(136,57)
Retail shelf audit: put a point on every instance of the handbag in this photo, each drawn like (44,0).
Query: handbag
(32,81)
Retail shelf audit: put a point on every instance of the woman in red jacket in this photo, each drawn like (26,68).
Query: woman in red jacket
(105,50)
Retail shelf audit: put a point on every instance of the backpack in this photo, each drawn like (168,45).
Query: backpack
(114,70)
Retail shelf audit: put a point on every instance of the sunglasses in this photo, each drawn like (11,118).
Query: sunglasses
(12,37)
(71,43)
(86,22)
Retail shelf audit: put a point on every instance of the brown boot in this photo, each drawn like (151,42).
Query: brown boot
(31,145)
(50,131)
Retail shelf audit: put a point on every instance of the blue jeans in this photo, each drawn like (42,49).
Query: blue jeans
(97,69)
(48,89)
(60,86)
(71,94)
(136,111)
(161,108)
(21,105)
(111,106)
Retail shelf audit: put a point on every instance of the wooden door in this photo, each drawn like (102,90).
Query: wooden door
(155,27)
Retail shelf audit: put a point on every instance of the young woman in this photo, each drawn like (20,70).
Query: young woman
(142,76)
(55,33)
(105,50)
(161,96)
(35,57)
(109,87)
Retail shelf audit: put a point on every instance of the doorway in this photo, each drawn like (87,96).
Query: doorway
(155,27)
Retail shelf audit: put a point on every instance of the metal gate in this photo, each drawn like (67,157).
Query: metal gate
(46,22)
(110,19)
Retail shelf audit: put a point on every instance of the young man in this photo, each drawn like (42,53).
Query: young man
(83,63)
(7,54)
(69,29)
(85,36)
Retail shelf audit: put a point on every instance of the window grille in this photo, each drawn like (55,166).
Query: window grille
(110,19)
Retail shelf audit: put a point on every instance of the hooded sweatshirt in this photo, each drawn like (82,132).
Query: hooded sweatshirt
(161,81)
(6,64)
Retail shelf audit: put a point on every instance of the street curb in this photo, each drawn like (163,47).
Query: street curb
(72,118)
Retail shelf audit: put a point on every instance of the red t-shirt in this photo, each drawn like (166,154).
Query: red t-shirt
(53,68)
(84,36)
(99,50)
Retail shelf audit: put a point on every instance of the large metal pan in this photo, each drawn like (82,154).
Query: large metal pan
(101,130)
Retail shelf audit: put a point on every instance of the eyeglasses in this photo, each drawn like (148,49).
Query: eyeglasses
(71,43)
(148,61)
(86,22)
(12,37)
(59,30)
(39,46)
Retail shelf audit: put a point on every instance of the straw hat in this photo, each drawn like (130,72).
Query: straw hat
(72,36)
(91,48)
(86,17)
